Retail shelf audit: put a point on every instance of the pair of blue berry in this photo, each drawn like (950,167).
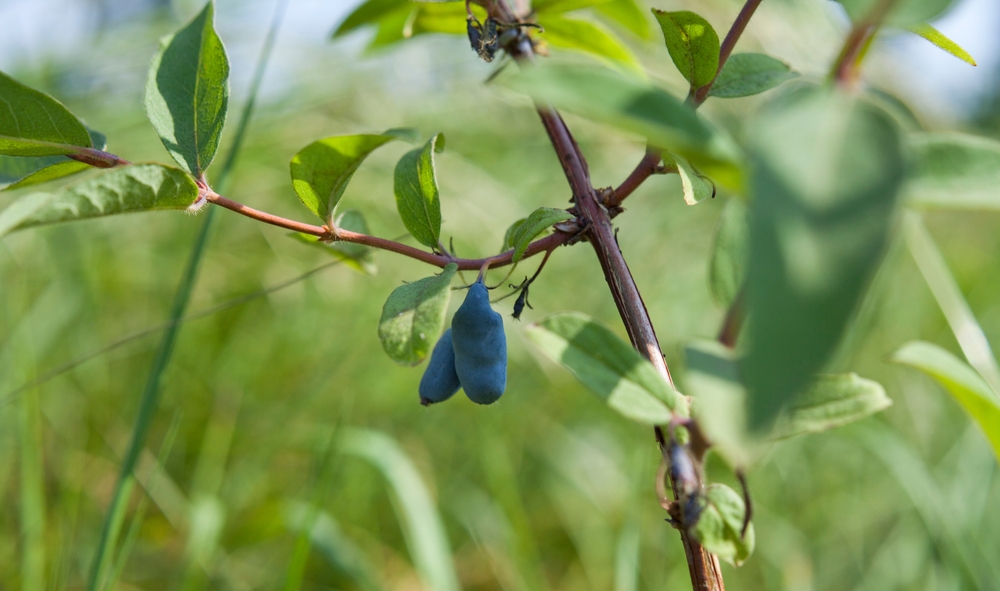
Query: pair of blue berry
(471,355)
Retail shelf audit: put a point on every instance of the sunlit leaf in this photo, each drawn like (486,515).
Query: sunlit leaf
(954,171)
(961,381)
(34,124)
(939,39)
(413,317)
(418,199)
(323,169)
(630,104)
(628,14)
(826,173)
(832,401)
(426,537)
(721,523)
(588,37)
(187,92)
(608,366)
(531,227)
(695,187)
(369,12)
(730,249)
(747,74)
(693,45)
(356,256)
(143,187)
(17,172)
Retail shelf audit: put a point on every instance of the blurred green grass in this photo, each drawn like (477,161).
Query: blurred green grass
(535,492)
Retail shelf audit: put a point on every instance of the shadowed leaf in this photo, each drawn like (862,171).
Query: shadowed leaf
(747,74)
(413,317)
(418,199)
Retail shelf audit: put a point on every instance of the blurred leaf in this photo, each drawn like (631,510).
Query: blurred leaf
(142,187)
(561,6)
(832,401)
(827,169)
(627,556)
(611,97)
(524,231)
(448,18)
(938,38)
(422,527)
(720,524)
(747,74)
(508,237)
(322,170)
(49,172)
(337,549)
(730,248)
(406,134)
(368,13)
(961,381)
(954,170)
(23,171)
(692,43)
(963,323)
(34,124)
(187,92)
(413,317)
(390,27)
(711,378)
(695,187)
(592,38)
(608,366)
(903,13)
(356,256)
(628,14)
(417,197)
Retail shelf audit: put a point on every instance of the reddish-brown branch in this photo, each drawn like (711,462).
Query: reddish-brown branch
(439,260)
(703,566)
(728,44)
(645,169)
(845,69)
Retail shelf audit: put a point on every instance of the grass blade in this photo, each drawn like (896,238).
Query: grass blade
(422,527)
(151,394)
(969,334)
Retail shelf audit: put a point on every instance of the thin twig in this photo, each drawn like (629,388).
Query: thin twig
(338,234)
(845,68)
(726,49)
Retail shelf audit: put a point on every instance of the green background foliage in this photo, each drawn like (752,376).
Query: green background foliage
(547,489)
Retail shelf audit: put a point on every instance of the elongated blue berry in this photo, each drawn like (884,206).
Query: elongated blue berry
(480,347)
(440,382)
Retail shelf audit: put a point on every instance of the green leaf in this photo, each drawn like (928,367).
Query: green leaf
(187,92)
(423,529)
(370,12)
(630,104)
(966,386)
(531,227)
(730,250)
(711,378)
(34,124)
(608,366)
(449,19)
(954,171)
(508,237)
(696,188)
(833,401)
(938,38)
(417,197)
(390,27)
(23,171)
(560,6)
(903,12)
(628,14)
(580,35)
(692,43)
(747,74)
(143,187)
(323,169)
(413,317)
(720,524)
(356,256)
(827,169)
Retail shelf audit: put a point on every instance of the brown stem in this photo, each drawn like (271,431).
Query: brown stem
(846,68)
(733,322)
(728,44)
(702,565)
(645,169)
(98,158)
(546,244)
